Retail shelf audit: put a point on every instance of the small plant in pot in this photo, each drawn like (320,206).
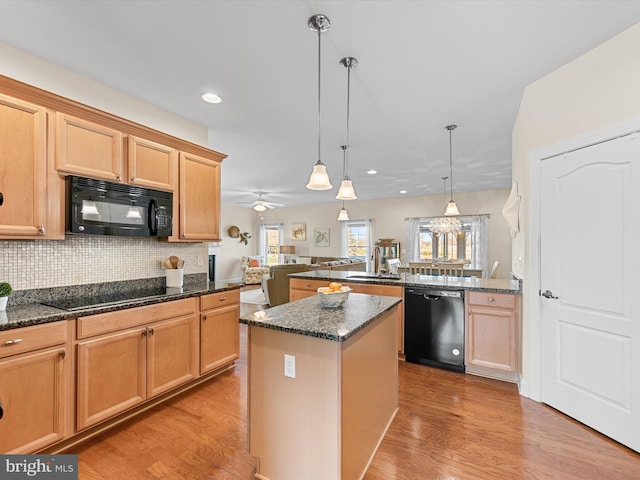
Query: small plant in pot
(5,291)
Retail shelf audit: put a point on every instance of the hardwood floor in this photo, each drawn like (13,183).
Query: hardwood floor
(450,426)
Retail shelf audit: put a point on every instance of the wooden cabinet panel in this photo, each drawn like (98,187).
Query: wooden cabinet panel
(198,211)
(111,375)
(219,337)
(30,195)
(88,149)
(220,299)
(27,339)
(492,333)
(33,392)
(302,288)
(172,354)
(152,165)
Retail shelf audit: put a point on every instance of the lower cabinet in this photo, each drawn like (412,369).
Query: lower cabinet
(302,288)
(493,335)
(219,329)
(33,414)
(119,370)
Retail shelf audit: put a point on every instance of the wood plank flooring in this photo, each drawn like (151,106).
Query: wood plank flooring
(450,426)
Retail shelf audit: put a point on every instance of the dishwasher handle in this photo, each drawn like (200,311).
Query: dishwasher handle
(431,297)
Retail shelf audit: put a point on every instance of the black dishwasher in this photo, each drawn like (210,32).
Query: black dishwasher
(434,328)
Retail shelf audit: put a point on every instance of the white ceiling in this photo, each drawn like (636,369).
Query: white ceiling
(422,65)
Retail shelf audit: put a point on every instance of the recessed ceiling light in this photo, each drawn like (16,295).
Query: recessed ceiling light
(372,172)
(403,191)
(211,98)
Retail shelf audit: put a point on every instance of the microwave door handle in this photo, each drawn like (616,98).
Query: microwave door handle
(153,217)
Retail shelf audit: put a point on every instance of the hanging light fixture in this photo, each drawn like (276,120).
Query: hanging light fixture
(346,191)
(452,208)
(258,207)
(343,216)
(445,224)
(319,179)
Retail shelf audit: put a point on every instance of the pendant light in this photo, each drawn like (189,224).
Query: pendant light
(346,191)
(445,224)
(319,179)
(343,216)
(452,208)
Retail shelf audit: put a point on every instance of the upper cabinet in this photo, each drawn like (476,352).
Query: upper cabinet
(196,216)
(31,199)
(88,149)
(151,164)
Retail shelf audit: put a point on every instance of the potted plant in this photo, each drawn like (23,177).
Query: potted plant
(5,291)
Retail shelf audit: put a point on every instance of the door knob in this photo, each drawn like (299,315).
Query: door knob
(548,294)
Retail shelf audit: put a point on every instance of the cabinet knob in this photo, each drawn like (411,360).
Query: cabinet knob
(1,198)
(41,230)
(151,330)
(144,332)
(204,316)
(490,299)
(1,409)
(117,178)
(222,299)
(13,341)
(62,353)
(133,179)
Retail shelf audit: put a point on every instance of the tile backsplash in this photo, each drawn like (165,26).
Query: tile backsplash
(81,260)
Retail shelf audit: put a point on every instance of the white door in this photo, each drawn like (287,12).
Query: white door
(590,261)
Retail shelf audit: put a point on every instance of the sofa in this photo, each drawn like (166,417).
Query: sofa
(275,285)
(252,270)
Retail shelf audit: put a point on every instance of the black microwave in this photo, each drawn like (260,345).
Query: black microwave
(98,207)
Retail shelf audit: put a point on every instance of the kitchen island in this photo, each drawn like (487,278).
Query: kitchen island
(323,386)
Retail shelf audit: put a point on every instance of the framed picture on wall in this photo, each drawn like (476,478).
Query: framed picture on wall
(299,231)
(321,237)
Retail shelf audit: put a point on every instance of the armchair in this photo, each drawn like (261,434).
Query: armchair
(253,269)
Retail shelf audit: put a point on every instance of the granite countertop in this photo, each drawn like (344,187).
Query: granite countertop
(307,317)
(408,280)
(27,309)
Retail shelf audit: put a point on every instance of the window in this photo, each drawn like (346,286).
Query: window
(270,241)
(356,235)
(470,244)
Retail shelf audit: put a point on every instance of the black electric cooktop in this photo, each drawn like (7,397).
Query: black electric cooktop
(113,298)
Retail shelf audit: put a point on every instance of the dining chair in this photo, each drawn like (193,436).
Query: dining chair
(453,269)
(422,268)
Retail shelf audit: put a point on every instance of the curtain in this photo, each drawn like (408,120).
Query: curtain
(480,243)
(413,239)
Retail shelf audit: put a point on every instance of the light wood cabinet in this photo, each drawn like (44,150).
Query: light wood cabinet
(31,202)
(88,149)
(151,164)
(219,329)
(493,335)
(34,367)
(302,288)
(196,216)
(132,358)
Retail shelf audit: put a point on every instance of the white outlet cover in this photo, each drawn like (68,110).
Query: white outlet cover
(289,366)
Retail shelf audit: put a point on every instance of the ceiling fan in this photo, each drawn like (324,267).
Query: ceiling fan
(260,205)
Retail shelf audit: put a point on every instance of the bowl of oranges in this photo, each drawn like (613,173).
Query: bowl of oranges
(334,295)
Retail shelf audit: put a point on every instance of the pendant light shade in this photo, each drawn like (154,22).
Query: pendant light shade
(347,192)
(452,208)
(343,216)
(319,179)
(446,224)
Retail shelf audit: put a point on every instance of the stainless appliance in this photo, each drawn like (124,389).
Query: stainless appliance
(99,207)
(434,328)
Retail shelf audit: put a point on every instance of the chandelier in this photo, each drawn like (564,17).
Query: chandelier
(445,224)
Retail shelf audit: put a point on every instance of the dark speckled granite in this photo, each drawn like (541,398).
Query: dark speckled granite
(307,317)
(407,280)
(29,311)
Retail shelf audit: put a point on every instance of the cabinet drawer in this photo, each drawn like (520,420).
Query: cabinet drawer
(495,300)
(26,339)
(131,317)
(372,289)
(309,285)
(220,299)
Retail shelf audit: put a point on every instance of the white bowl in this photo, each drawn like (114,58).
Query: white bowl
(331,299)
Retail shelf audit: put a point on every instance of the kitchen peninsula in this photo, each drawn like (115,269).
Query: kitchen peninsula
(323,386)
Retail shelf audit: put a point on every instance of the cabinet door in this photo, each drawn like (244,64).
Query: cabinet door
(199,206)
(152,165)
(219,337)
(33,396)
(88,149)
(172,354)
(23,169)
(492,339)
(111,375)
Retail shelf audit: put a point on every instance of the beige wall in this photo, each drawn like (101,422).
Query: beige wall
(230,250)
(388,221)
(594,91)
